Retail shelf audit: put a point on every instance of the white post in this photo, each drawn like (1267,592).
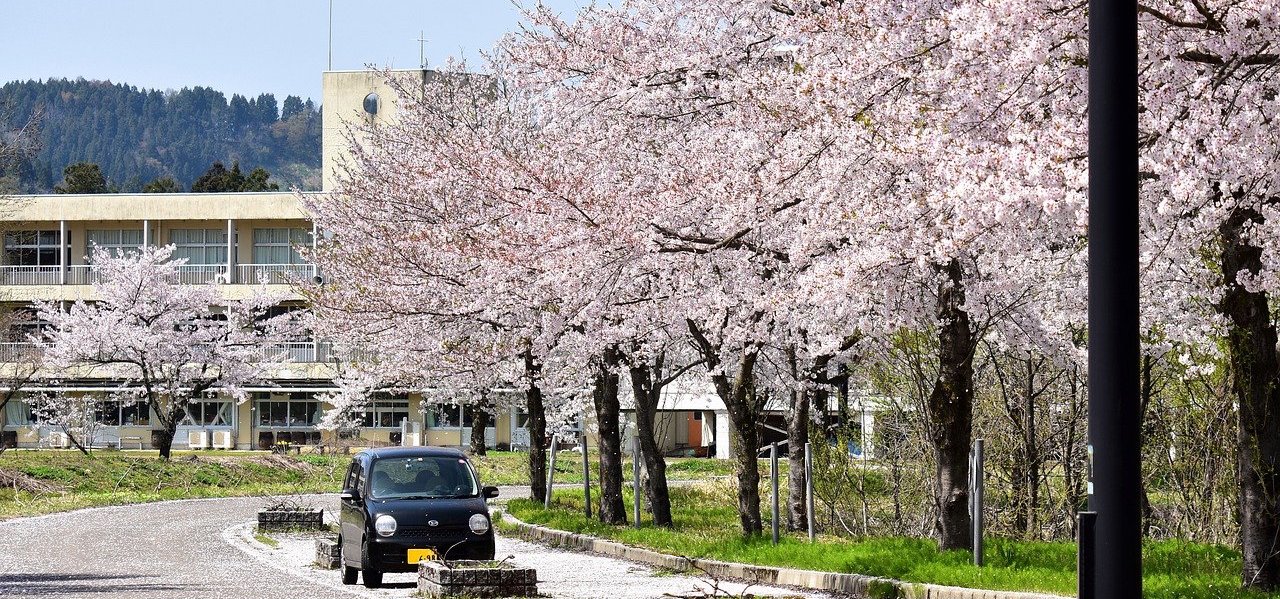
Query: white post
(62,252)
(146,234)
(586,472)
(231,250)
(773,477)
(635,476)
(551,472)
(808,489)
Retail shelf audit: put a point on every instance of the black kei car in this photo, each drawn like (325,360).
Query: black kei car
(402,505)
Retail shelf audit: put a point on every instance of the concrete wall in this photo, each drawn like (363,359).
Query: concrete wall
(343,109)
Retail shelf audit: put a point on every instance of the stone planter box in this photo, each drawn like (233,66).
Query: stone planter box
(291,520)
(328,554)
(466,578)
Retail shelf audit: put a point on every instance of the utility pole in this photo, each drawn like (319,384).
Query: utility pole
(422,49)
(1114,418)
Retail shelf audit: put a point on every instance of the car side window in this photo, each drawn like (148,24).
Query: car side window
(350,482)
(359,480)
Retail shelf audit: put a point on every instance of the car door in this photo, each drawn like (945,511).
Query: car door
(351,517)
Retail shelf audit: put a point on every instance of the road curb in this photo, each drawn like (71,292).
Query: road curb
(854,584)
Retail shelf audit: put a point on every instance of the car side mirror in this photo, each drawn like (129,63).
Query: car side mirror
(348,495)
(490,492)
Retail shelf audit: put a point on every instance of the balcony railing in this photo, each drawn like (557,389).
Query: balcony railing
(30,275)
(18,352)
(301,352)
(188,274)
(274,274)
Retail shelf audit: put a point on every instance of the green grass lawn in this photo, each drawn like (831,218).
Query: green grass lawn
(46,481)
(706,525)
(512,468)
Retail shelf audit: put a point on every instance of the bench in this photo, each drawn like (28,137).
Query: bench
(135,438)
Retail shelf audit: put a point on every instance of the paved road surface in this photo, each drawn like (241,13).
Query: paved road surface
(202,549)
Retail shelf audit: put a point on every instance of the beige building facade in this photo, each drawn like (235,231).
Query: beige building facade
(237,241)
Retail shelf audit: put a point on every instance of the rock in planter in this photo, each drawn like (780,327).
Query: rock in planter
(328,554)
(291,520)
(467,578)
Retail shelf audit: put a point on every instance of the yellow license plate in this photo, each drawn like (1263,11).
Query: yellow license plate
(417,555)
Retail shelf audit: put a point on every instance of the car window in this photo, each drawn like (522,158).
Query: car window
(350,481)
(421,477)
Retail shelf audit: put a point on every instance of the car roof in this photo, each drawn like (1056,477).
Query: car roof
(414,452)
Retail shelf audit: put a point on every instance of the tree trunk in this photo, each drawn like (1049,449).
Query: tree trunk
(537,430)
(950,408)
(646,399)
(744,407)
(479,422)
(746,439)
(163,439)
(612,510)
(1032,451)
(1251,343)
(797,436)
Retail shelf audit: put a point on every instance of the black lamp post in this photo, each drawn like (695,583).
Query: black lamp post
(1114,418)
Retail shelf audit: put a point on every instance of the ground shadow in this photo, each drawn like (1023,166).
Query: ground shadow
(59,585)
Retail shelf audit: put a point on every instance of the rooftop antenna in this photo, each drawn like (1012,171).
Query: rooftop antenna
(330,35)
(422,49)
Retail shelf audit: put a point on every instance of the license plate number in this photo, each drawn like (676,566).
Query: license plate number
(417,555)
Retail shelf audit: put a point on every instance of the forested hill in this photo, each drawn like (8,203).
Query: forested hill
(138,135)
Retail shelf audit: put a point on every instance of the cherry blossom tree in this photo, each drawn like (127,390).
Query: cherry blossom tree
(76,415)
(159,342)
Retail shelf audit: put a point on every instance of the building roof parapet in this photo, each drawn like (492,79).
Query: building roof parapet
(280,205)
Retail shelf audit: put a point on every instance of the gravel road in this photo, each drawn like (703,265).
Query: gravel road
(205,549)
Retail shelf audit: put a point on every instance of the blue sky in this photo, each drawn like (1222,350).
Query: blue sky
(240,46)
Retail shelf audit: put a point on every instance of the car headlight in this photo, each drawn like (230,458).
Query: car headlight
(479,523)
(385,525)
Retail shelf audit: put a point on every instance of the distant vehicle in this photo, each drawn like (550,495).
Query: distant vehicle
(403,505)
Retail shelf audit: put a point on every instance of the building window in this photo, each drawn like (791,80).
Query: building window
(294,410)
(208,413)
(18,413)
(280,246)
(386,411)
(116,242)
(114,413)
(200,246)
(447,416)
(31,248)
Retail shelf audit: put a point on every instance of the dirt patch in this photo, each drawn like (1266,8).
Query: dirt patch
(19,481)
(282,462)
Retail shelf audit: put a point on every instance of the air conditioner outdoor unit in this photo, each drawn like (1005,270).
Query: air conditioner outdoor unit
(222,439)
(59,440)
(197,439)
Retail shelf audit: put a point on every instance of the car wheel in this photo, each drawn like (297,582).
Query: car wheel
(349,574)
(372,577)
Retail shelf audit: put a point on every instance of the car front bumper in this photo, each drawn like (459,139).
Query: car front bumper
(390,554)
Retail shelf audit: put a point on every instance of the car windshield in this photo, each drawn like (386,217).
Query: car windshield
(423,477)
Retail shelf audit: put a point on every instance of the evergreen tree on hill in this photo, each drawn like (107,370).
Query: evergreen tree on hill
(137,136)
(219,180)
(162,185)
(82,177)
